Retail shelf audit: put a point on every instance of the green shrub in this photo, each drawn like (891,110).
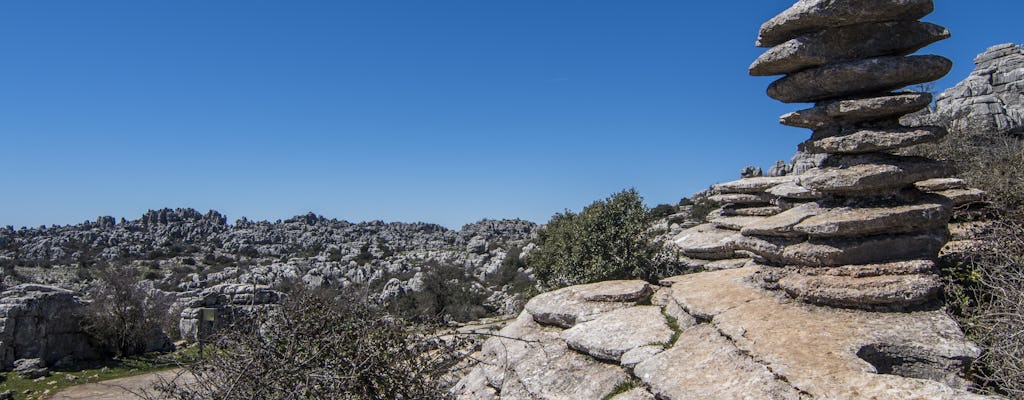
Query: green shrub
(607,240)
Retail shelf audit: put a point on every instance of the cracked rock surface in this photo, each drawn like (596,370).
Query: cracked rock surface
(740,342)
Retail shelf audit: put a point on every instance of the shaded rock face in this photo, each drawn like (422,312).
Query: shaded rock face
(990,100)
(718,335)
(42,322)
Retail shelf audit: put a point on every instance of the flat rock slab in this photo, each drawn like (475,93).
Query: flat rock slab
(862,292)
(851,111)
(858,77)
(850,222)
(960,197)
(755,185)
(885,175)
(734,210)
(612,334)
(867,250)
(794,191)
(740,198)
(705,365)
(733,223)
(813,15)
(530,361)
(568,306)
(815,348)
(867,140)
(783,224)
(707,242)
(845,43)
(940,184)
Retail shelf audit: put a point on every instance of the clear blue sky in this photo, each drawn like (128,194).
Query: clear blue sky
(439,111)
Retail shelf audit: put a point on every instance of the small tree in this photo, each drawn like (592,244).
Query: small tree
(609,239)
(125,316)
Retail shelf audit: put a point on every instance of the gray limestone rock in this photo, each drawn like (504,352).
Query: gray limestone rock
(813,15)
(864,250)
(782,224)
(794,191)
(862,292)
(31,368)
(755,185)
(861,221)
(940,184)
(858,77)
(845,43)
(685,370)
(740,198)
(707,242)
(734,210)
(733,223)
(42,322)
(569,306)
(868,140)
(960,197)
(859,175)
(612,334)
(850,111)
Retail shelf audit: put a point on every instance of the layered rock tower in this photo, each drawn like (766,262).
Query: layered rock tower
(855,232)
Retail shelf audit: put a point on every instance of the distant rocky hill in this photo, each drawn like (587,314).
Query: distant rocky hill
(990,100)
(183,250)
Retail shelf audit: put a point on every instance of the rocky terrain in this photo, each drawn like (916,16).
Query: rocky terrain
(819,282)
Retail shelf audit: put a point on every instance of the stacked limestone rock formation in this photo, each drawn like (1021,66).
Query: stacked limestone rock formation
(225,304)
(870,238)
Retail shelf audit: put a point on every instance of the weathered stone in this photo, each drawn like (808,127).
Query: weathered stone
(847,222)
(733,223)
(960,197)
(794,191)
(612,334)
(707,242)
(862,292)
(867,140)
(820,350)
(756,185)
(734,210)
(867,250)
(42,322)
(529,361)
(939,184)
(813,15)
(230,304)
(851,111)
(575,304)
(31,368)
(860,271)
(846,43)
(640,354)
(783,223)
(858,77)
(740,198)
(682,372)
(877,174)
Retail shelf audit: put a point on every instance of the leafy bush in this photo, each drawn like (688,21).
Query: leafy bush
(662,211)
(320,346)
(447,293)
(607,240)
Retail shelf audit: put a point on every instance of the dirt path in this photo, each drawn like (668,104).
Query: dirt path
(121,388)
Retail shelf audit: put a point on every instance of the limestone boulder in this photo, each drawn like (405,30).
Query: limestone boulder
(612,334)
(42,322)
(867,140)
(783,223)
(862,292)
(866,76)
(569,306)
(755,185)
(960,197)
(851,111)
(940,184)
(707,242)
(866,250)
(845,43)
(877,174)
(813,15)
(864,221)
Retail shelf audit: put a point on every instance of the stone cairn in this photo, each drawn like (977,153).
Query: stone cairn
(856,231)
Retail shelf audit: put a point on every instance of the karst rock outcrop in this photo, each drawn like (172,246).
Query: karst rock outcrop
(44,323)
(817,284)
